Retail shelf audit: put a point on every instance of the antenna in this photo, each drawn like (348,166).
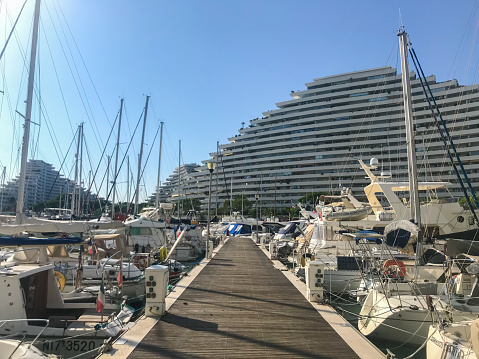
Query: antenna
(401,26)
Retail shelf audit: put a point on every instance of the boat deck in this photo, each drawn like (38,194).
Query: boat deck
(241,306)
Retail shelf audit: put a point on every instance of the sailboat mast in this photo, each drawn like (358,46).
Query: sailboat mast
(127,181)
(158,182)
(75,181)
(4,174)
(137,193)
(115,175)
(216,178)
(411,149)
(107,181)
(27,117)
(80,178)
(231,196)
(179,179)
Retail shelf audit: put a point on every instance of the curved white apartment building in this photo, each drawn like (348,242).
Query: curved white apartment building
(312,142)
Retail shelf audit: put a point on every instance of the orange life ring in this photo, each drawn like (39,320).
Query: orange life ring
(394,262)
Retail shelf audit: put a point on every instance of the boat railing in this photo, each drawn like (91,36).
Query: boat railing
(46,321)
(110,257)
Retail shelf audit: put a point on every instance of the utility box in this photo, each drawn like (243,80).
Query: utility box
(210,249)
(156,282)
(273,249)
(314,275)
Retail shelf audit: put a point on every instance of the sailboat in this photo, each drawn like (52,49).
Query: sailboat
(32,304)
(396,310)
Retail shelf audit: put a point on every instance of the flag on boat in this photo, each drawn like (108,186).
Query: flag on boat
(120,276)
(100,301)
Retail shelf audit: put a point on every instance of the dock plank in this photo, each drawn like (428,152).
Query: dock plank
(240,306)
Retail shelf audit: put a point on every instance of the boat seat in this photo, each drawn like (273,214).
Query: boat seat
(93,318)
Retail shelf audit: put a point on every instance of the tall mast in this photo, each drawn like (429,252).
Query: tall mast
(411,150)
(27,117)
(75,181)
(115,175)
(231,197)
(159,168)
(216,178)
(107,180)
(80,179)
(127,181)
(137,193)
(4,175)
(89,186)
(179,179)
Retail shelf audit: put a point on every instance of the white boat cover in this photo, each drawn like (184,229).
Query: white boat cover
(39,225)
(318,239)
(404,225)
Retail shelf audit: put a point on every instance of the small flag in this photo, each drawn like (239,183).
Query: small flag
(120,276)
(100,301)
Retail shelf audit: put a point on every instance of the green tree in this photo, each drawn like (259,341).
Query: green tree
(311,198)
(240,202)
(40,206)
(224,210)
(463,202)
(191,203)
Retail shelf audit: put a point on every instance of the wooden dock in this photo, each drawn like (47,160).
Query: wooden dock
(241,306)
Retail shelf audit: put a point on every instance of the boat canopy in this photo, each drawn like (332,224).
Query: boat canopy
(402,234)
(236,229)
(288,229)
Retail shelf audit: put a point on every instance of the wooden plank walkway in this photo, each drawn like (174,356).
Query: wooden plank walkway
(240,306)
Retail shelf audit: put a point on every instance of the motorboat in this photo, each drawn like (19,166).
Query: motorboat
(34,305)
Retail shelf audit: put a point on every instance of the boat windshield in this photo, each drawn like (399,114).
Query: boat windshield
(289,228)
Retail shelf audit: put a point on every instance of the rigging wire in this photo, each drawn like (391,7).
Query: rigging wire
(445,136)
(129,144)
(91,113)
(92,181)
(61,166)
(11,32)
(99,163)
(77,82)
(452,71)
(58,81)
(83,62)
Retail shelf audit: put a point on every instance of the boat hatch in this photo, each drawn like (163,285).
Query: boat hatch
(35,290)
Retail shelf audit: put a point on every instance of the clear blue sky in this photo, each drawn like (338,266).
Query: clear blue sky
(207,65)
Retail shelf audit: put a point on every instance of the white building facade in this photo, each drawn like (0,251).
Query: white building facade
(312,142)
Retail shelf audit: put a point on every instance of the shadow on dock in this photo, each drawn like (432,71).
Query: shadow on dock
(240,306)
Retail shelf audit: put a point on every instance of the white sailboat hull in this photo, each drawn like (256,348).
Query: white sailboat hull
(451,342)
(405,320)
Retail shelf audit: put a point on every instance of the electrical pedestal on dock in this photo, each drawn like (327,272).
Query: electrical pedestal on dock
(210,249)
(314,274)
(156,280)
(273,249)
